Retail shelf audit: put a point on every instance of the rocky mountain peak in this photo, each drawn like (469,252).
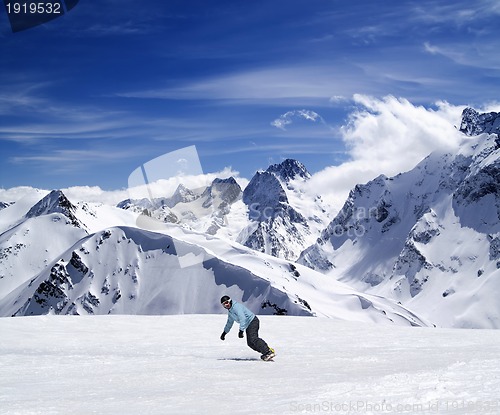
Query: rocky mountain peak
(475,123)
(289,169)
(264,192)
(55,202)
(182,195)
(226,190)
(276,227)
(4,205)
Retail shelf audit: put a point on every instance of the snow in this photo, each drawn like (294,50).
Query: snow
(178,365)
(424,238)
(11,215)
(22,253)
(126,270)
(29,244)
(420,248)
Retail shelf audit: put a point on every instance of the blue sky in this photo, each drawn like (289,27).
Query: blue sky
(87,98)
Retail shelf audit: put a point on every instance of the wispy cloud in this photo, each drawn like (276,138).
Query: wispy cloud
(21,95)
(288,118)
(459,12)
(71,156)
(124,28)
(59,161)
(275,84)
(481,55)
(292,148)
(87,128)
(31,114)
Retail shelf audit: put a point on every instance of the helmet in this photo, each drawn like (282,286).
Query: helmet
(224,298)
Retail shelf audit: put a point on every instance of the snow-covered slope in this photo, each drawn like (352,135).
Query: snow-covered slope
(14,213)
(170,365)
(24,247)
(24,251)
(428,238)
(36,230)
(126,270)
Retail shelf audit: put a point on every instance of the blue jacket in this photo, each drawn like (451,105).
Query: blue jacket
(239,313)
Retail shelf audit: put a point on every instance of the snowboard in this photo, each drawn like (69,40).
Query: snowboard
(270,358)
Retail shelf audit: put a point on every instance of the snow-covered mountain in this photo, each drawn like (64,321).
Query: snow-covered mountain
(55,202)
(475,123)
(34,238)
(283,218)
(203,209)
(125,270)
(423,243)
(34,233)
(57,257)
(428,238)
(274,214)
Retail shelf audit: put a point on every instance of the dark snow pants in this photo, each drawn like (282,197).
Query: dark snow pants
(253,340)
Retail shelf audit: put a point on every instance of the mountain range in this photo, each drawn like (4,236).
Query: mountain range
(420,248)
(428,238)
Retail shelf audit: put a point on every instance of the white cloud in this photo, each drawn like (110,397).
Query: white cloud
(159,188)
(92,194)
(290,116)
(95,194)
(387,136)
(338,99)
(14,194)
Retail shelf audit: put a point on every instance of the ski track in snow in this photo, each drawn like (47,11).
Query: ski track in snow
(178,365)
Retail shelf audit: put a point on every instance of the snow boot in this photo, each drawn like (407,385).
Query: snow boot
(269,355)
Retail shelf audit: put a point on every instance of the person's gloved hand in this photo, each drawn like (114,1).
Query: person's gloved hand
(240,334)
(223,335)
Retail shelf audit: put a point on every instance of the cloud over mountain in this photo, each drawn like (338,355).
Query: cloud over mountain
(388,136)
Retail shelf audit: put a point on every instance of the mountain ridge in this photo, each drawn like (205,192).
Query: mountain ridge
(426,238)
(126,270)
(426,241)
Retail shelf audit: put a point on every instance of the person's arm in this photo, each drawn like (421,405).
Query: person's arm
(229,323)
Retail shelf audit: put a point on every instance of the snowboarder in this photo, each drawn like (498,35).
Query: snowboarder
(248,322)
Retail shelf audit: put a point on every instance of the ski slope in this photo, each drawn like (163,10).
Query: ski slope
(178,365)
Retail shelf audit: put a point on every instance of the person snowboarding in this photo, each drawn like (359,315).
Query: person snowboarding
(249,323)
